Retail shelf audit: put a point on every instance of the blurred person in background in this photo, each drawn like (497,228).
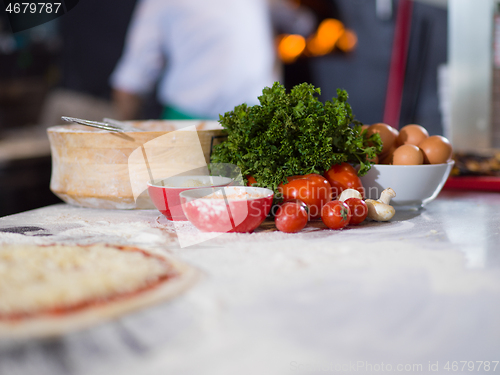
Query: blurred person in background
(204,57)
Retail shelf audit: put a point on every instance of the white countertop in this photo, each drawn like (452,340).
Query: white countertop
(413,294)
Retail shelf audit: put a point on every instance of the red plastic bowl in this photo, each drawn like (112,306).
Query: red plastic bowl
(165,193)
(229,209)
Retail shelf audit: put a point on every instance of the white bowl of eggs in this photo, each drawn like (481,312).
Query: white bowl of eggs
(412,163)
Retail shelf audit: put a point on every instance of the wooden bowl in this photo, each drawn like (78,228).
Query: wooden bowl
(101,169)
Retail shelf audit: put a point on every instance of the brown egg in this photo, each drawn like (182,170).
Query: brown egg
(407,155)
(437,149)
(411,134)
(387,134)
(386,158)
(395,131)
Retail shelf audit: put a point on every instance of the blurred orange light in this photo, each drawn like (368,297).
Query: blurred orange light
(328,33)
(290,47)
(347,41)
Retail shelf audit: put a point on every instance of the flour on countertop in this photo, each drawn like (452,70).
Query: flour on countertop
(268,298)
(70,225)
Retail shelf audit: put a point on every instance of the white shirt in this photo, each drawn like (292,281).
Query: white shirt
(208,55)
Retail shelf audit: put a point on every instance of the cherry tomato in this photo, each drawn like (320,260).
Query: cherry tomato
(291,216)
(335,214)
(251,181)
(359,210)
(343,176)
(312,189)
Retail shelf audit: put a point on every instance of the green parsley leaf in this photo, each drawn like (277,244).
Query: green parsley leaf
(293,134)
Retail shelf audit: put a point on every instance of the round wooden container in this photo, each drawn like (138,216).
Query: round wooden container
(101,169)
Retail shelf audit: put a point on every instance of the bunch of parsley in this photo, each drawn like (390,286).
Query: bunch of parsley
(293,134)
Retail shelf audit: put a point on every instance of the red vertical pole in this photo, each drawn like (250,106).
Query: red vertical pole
(397,68)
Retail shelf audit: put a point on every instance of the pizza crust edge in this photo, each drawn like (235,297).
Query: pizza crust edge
(51,326)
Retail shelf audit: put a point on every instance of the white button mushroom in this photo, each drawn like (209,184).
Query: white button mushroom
(380,209)
(349,193)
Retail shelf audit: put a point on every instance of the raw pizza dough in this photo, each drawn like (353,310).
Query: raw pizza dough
(51,290)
